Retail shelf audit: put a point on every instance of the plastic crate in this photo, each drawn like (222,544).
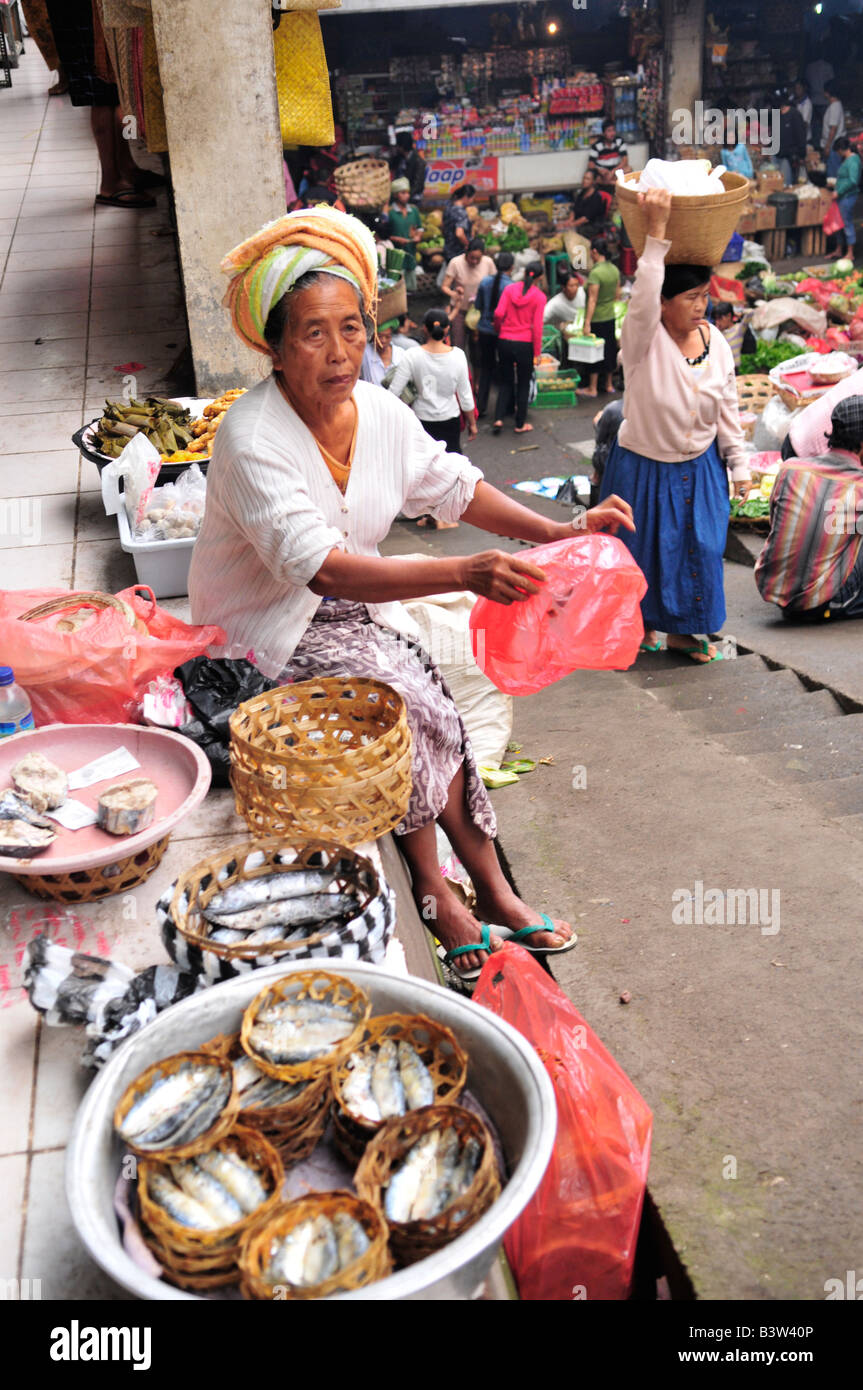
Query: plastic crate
(555,398)
(582,349)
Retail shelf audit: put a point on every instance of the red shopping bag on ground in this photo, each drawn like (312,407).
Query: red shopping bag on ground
(577,1237)
(586,616)
(98,673)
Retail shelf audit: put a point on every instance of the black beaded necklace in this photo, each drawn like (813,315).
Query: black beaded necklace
(696,361)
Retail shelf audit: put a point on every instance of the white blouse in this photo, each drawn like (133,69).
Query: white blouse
(274,513)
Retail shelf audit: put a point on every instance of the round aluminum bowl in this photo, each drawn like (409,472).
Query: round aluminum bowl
(504,1074)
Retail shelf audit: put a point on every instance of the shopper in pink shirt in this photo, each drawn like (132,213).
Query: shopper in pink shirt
(518,320)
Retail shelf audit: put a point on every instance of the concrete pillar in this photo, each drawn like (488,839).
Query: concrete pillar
(218,75)
(684,56)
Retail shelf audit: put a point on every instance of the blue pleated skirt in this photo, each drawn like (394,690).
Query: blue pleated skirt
(681,512)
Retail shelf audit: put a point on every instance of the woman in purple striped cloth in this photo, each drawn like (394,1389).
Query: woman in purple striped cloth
(309,471)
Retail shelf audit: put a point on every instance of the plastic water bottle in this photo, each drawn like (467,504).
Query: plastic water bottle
(15,713)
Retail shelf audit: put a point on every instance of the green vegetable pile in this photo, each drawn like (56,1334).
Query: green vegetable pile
(750,268)
(514,239)
(756,509)
(767,356)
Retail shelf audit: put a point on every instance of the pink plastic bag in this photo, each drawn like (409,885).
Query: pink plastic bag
(585,617)
(98,674)
(576,1238)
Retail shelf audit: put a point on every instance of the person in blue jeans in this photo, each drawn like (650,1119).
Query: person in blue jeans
(846,192)
(487,298)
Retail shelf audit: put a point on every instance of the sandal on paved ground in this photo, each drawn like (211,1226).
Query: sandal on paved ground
(519,937)
(702,648)
(126,198)
(497,427)
(654,647)
(484,944)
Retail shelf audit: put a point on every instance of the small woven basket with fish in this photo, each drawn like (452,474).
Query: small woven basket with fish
(433,1173)
(195,1212)
(304,1024)
(292,1116)
(178,1107)
(328,1243)
(329,757)
(403,1062)
(265,901)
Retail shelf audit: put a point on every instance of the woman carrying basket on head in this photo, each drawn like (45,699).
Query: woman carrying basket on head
(309,470)
(680,432)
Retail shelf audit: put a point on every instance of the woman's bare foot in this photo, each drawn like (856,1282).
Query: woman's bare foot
(503,908)
(585,394)
(449,920)
(523,429)
(683,642)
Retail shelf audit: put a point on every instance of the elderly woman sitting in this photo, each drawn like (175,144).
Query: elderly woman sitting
(308,473)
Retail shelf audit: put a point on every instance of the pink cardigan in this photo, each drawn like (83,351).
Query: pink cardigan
(518,317)
(672,413)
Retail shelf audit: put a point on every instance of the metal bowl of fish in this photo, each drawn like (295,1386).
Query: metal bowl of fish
(505,1077)
(400,1063)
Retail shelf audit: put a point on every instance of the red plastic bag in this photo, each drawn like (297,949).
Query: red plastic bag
(576,1238)
(585,617)
(833,220)
(98,674)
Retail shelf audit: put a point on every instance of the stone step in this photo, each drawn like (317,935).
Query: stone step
(654,672)
(843,797)
(822,764)
(800,740)
(749,685)
(761,712)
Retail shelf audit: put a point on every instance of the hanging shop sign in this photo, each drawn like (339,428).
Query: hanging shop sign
(446,174)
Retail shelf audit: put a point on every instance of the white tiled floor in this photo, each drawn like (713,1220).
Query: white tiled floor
(83,290)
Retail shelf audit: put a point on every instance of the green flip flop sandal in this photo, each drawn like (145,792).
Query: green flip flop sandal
(484,944)
(520,938)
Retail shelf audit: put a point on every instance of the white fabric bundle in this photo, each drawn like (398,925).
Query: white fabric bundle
(686,178)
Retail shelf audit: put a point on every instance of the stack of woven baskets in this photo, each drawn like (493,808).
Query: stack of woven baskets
(329,758)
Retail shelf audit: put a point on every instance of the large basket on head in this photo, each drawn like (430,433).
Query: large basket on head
(329,758)
(89,885)
(195,1143)
(436,1047)
(363,183)
(190,1256)
(354,877)
(300,987)
(294,1128)
(255,1252)
(699,228)
(413,1240)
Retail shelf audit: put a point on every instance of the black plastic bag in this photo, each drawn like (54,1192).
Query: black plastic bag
(214,688)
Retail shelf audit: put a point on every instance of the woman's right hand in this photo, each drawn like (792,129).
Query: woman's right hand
(657,205)
(501,577)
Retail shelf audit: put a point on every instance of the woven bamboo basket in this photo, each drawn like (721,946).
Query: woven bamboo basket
(210,1137)
(437,1048)
(88,885)
(256,1248)
(328,758)
(699,228)
(355,875)
(754,391)
(213,1251)
(294,1129)
(314,985)
(197,1275)
(363,183)
(413,1240)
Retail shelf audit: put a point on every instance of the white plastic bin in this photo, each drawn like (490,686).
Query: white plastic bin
(163,565)
(582,349)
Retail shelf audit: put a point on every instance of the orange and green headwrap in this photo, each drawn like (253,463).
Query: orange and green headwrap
(269,264)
